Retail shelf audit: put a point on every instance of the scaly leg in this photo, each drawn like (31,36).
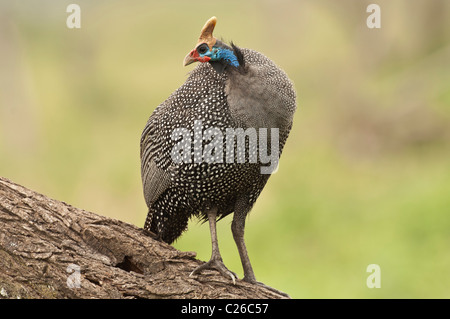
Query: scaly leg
(216,261)
(237,227)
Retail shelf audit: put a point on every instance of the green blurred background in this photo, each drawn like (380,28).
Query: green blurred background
(364,177)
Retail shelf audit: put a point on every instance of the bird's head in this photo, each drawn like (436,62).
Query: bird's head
(209,49)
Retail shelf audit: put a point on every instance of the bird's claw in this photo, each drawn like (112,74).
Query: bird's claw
(260,284)
(216,264)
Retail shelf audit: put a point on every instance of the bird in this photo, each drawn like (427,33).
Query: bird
(189,171)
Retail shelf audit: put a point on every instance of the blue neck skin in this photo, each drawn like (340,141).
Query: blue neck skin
(224,54)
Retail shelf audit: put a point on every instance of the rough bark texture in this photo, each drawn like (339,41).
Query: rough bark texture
(49,249)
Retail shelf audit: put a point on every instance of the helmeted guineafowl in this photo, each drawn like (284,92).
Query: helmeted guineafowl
(208,150)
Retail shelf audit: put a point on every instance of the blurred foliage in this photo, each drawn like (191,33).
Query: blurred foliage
(365,175)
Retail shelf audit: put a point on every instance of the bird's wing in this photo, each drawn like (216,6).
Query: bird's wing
(155,175)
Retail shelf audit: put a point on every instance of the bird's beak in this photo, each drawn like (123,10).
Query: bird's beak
(189,58)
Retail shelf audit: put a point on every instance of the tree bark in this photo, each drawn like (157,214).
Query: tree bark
(49,249)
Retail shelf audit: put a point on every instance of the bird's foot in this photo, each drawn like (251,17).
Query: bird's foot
(216,264)
(260,284)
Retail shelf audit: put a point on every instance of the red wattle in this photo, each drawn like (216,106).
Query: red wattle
(194,54)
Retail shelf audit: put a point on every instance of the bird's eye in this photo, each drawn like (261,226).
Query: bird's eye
(203,48)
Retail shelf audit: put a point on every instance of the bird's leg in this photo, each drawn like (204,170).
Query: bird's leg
(237,228)
(216,261)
